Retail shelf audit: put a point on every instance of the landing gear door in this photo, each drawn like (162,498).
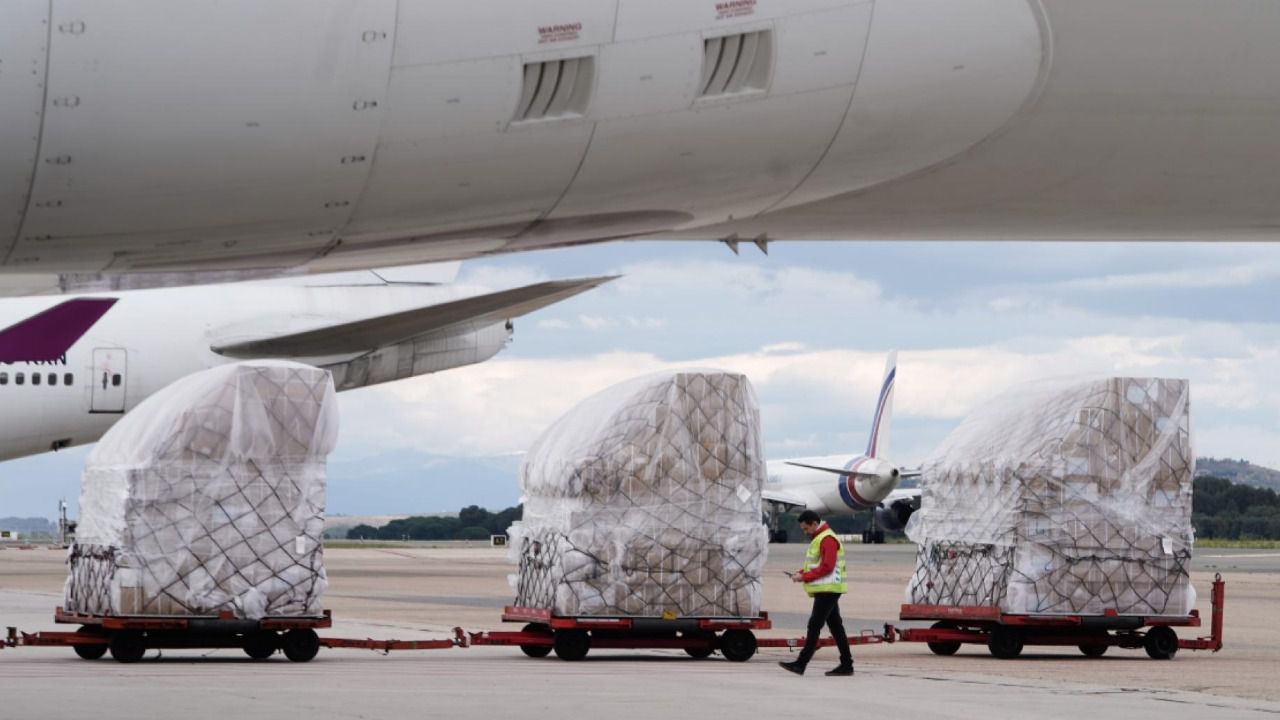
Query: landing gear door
(110,370)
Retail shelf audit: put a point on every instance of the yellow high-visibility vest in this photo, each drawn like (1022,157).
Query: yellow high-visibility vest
(834,582)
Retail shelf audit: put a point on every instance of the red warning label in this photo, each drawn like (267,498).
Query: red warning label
(560,33)
(735,9)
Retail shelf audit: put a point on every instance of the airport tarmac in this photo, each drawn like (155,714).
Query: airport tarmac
(417,592)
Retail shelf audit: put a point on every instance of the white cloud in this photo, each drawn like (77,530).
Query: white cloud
(498,277)
(501,406)
(553,324)
(597,323)
(1193,278)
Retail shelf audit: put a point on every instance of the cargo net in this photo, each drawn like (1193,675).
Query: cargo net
(645,501)
(225,510)
(1062,499)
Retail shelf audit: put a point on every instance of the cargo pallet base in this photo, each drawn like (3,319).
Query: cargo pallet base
(571,638)
(128,638)
(1006,635)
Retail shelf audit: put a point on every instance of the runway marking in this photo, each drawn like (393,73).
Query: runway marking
(1242,555)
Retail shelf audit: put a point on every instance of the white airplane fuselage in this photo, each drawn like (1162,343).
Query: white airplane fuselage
(828,494)
(151,338)
(327,134)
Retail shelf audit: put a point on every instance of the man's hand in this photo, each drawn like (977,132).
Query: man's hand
(795,578)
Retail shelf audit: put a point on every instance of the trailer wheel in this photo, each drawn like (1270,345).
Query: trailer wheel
(127,646)
(945,649)
(1005,642)
(300,645)
(90,652)
(701,652)
(571,644)
(536,651)
(1093,651)
(261,645)
(1161,643)
(738,645)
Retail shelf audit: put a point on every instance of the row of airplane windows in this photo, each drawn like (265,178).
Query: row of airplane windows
(21,378)
(52,379)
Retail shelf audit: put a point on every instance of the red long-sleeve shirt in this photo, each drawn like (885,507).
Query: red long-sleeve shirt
(829,547)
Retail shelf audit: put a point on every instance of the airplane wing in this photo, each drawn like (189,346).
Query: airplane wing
(363,335)
(833,471)
(782,498)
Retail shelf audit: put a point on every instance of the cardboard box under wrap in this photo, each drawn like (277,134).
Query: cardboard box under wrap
(644,500)
(1062,497)
(209,497)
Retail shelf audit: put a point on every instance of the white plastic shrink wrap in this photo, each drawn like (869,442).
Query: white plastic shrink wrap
(209,498)
(1062,497)
(644,501)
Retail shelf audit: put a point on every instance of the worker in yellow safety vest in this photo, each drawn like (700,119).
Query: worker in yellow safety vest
(825,580)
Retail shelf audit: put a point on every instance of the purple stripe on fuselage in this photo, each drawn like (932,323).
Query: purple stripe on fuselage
(848,486)
(48,335)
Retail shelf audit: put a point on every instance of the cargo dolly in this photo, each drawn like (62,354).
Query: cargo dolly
(571,638)
(128,638)
(1005,635)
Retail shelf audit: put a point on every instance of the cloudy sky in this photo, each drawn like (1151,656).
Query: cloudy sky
(810,324)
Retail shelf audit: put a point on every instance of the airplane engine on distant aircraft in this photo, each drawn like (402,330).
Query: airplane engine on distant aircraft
(894,516)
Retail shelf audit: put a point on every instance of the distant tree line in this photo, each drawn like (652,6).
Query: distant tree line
(472,523)
(1224,510)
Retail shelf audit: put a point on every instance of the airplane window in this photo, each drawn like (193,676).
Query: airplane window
(115,380)
(53,378)
(19,379)
(35,378)
(4,378)
(68,379)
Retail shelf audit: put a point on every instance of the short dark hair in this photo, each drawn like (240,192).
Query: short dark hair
(809,516)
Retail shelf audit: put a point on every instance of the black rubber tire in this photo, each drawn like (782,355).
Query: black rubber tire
(128,647)
(1005,642)
(738,645)
(701,652)
(300,645)
(90,652)
(1161,643)
(536,651)
(261,645)
(572,645)
(1094,651)
(780,537)
(945,649)
(877,538)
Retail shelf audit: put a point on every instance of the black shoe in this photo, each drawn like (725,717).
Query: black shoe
(841,670)
(794,667)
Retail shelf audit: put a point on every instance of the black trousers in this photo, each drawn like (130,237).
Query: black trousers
(826,611)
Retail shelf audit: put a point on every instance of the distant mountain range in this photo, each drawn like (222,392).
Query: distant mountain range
(1239,471)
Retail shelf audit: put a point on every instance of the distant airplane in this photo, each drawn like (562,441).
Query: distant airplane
(847,484)
(326,135)
(70,368)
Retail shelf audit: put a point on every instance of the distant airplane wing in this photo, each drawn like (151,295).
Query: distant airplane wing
(833,471)
(782,498)
(362,336)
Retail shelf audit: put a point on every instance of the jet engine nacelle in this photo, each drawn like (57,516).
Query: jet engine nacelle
(894,516)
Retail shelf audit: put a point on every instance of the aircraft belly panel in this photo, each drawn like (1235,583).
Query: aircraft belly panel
(920,102)
(452,158)
(188,128)
(659,146)
(24,36)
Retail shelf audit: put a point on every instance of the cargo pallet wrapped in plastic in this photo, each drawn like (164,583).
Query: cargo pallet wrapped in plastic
(644,501)
(208,499)
(1062,498)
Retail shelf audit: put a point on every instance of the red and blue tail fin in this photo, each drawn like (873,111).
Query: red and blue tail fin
(878,444)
